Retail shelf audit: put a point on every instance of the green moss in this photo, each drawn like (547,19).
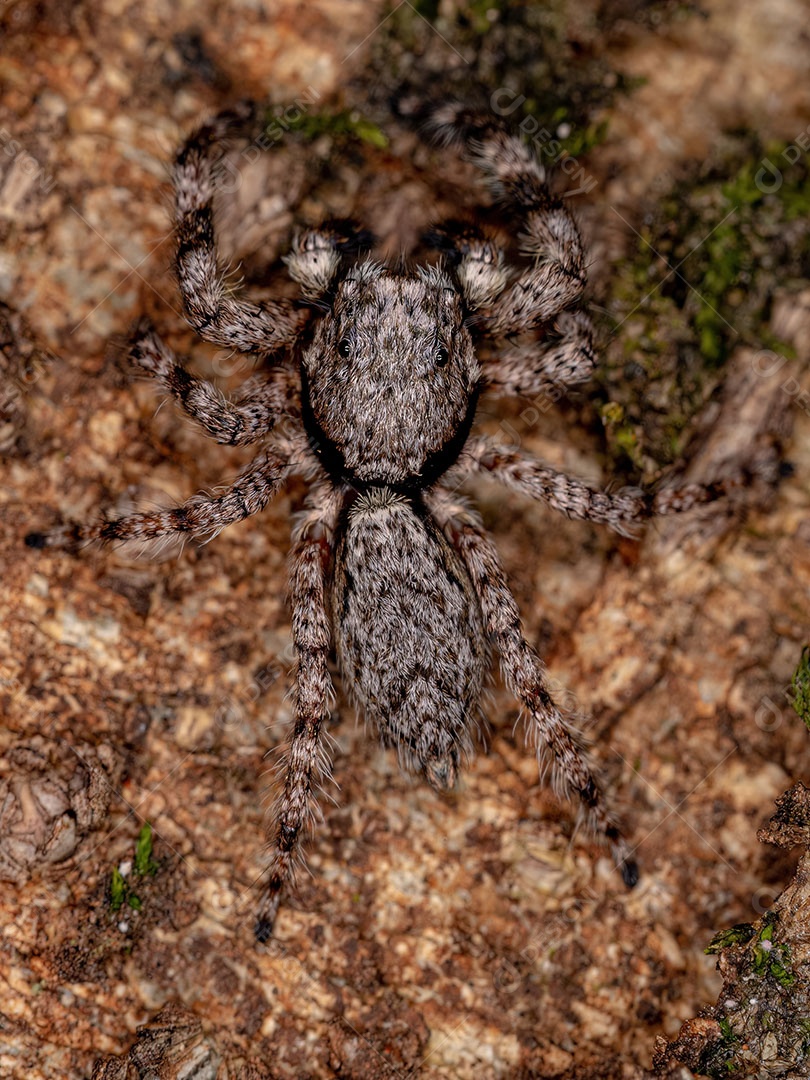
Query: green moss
(711,254)
(761,1003)
(120,889)
(735,935)
(771,959)
(341,123)
(801,687)
(583,139)
(721,1059)
(144,863)
(428,9)
(482,15)
(728,1033)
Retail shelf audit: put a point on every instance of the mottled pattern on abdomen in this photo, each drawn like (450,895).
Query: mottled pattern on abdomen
(409,633)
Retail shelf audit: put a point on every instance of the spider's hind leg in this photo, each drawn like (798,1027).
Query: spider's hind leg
(525,675)
(306,762)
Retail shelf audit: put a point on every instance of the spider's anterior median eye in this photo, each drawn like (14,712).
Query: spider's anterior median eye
(345,348)
(442,356)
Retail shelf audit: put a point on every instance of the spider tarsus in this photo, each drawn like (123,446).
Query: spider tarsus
(142,326)
(409,103)
(442,773)
(630,872)
(67,538)
(678,500)
(263,929)
(589,793)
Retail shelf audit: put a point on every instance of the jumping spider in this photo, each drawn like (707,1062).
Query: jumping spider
(378,376)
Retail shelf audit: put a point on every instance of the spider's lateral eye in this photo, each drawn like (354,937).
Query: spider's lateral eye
(442,356)
(345,348)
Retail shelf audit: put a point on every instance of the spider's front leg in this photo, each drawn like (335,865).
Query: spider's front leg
(556,278)
(261,402)
(212,309)
(306,762)
(524,672)
(520,369)
(541,294)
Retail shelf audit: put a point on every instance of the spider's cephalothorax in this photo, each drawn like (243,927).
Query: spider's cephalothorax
(390,380)
(387,565)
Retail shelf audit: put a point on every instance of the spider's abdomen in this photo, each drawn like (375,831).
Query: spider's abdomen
(409,633)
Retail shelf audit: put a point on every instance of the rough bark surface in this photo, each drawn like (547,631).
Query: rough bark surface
(474,934)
